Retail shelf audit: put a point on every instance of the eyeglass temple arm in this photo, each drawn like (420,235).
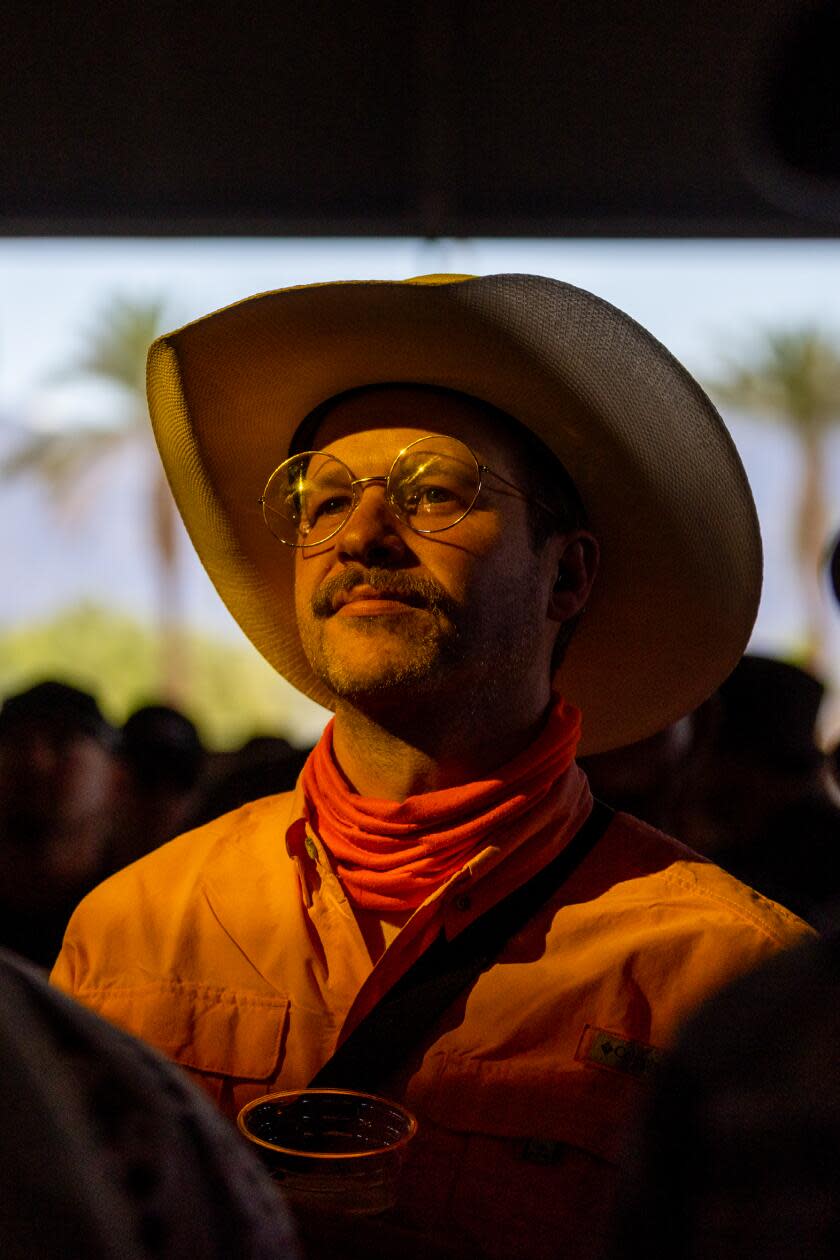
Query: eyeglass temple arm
(520,494)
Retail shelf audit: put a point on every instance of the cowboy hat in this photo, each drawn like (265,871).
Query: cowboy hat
(662,484)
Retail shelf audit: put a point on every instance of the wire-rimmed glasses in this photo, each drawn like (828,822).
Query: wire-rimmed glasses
(431,485)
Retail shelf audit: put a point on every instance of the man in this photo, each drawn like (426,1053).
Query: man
(164,762)
(431,570)
(59,784)
(761,806)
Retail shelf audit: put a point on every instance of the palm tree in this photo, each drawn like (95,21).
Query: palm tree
(65,459)
(793,375)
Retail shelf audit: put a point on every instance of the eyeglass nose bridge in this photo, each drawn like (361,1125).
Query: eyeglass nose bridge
(365,481)
(358,484)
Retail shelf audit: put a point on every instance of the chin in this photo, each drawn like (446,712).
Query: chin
(396,681)
(395,675)
(382,660)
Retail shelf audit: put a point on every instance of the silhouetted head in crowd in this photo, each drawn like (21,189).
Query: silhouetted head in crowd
(764,752)
(162,747)
(761,806)
(165,760)
(652,778)
(56,767)
(770,711)
(59,775)
(263,766)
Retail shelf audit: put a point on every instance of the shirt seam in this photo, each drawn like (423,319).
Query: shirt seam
(741,912)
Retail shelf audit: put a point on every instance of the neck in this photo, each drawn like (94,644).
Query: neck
(393,758)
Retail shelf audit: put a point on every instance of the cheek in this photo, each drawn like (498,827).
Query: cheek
(512,582)
(300,599)
(305,583)
(465,557)
(507,558)
(309,576)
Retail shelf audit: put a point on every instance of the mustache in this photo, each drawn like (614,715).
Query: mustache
(421,592)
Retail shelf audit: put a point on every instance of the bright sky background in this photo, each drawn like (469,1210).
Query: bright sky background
(703,299)
(696,296)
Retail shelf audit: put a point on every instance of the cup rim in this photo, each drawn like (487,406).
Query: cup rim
(242,1117)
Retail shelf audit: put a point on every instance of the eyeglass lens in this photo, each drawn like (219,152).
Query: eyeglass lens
(431,485)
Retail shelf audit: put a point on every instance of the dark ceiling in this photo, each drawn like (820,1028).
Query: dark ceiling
(475,117)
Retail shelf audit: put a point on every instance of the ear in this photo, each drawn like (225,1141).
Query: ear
(575,566)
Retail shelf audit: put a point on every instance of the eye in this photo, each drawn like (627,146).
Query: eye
(307,497)
(321,494)
(431,484)
(430,498)
(315,505)
(319,505)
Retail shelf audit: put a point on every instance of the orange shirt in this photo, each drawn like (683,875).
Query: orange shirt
(235,951)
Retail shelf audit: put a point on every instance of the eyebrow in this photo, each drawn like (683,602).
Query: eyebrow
(329,479)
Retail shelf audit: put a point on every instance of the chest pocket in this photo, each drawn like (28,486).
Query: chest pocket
(532,1154)
(237,1034)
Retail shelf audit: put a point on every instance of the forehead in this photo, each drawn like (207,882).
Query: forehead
(381,421)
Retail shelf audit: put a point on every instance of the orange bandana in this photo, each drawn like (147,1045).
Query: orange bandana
(391,855)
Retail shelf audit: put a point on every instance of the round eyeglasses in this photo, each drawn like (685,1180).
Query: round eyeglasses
(431,486)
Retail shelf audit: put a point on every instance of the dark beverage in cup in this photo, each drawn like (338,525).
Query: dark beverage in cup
(335,1150)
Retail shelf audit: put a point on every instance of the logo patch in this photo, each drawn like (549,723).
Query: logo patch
(543,1151)
(610,1050)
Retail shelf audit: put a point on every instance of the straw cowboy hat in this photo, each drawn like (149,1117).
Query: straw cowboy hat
(664,489)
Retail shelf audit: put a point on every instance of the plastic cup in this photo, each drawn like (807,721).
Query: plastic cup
(334,1150)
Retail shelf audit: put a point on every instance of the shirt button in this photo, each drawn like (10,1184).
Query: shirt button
(463,902)
(309,845)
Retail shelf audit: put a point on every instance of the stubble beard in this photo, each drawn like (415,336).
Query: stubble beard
(422,659)
(387,655)
(407,658)
(404,654)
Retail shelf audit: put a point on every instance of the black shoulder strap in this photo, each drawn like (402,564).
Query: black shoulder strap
(387,1034)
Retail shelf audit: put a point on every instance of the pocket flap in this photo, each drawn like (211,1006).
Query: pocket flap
(531,1101)
(237,1034)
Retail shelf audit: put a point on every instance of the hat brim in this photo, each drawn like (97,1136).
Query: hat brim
(665,491)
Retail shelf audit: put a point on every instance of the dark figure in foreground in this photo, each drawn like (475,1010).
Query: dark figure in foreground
(109,1153)
(740,1151)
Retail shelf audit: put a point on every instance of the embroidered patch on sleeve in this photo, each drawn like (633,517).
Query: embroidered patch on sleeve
(610,1050)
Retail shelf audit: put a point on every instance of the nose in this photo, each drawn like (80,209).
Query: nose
(372,535)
